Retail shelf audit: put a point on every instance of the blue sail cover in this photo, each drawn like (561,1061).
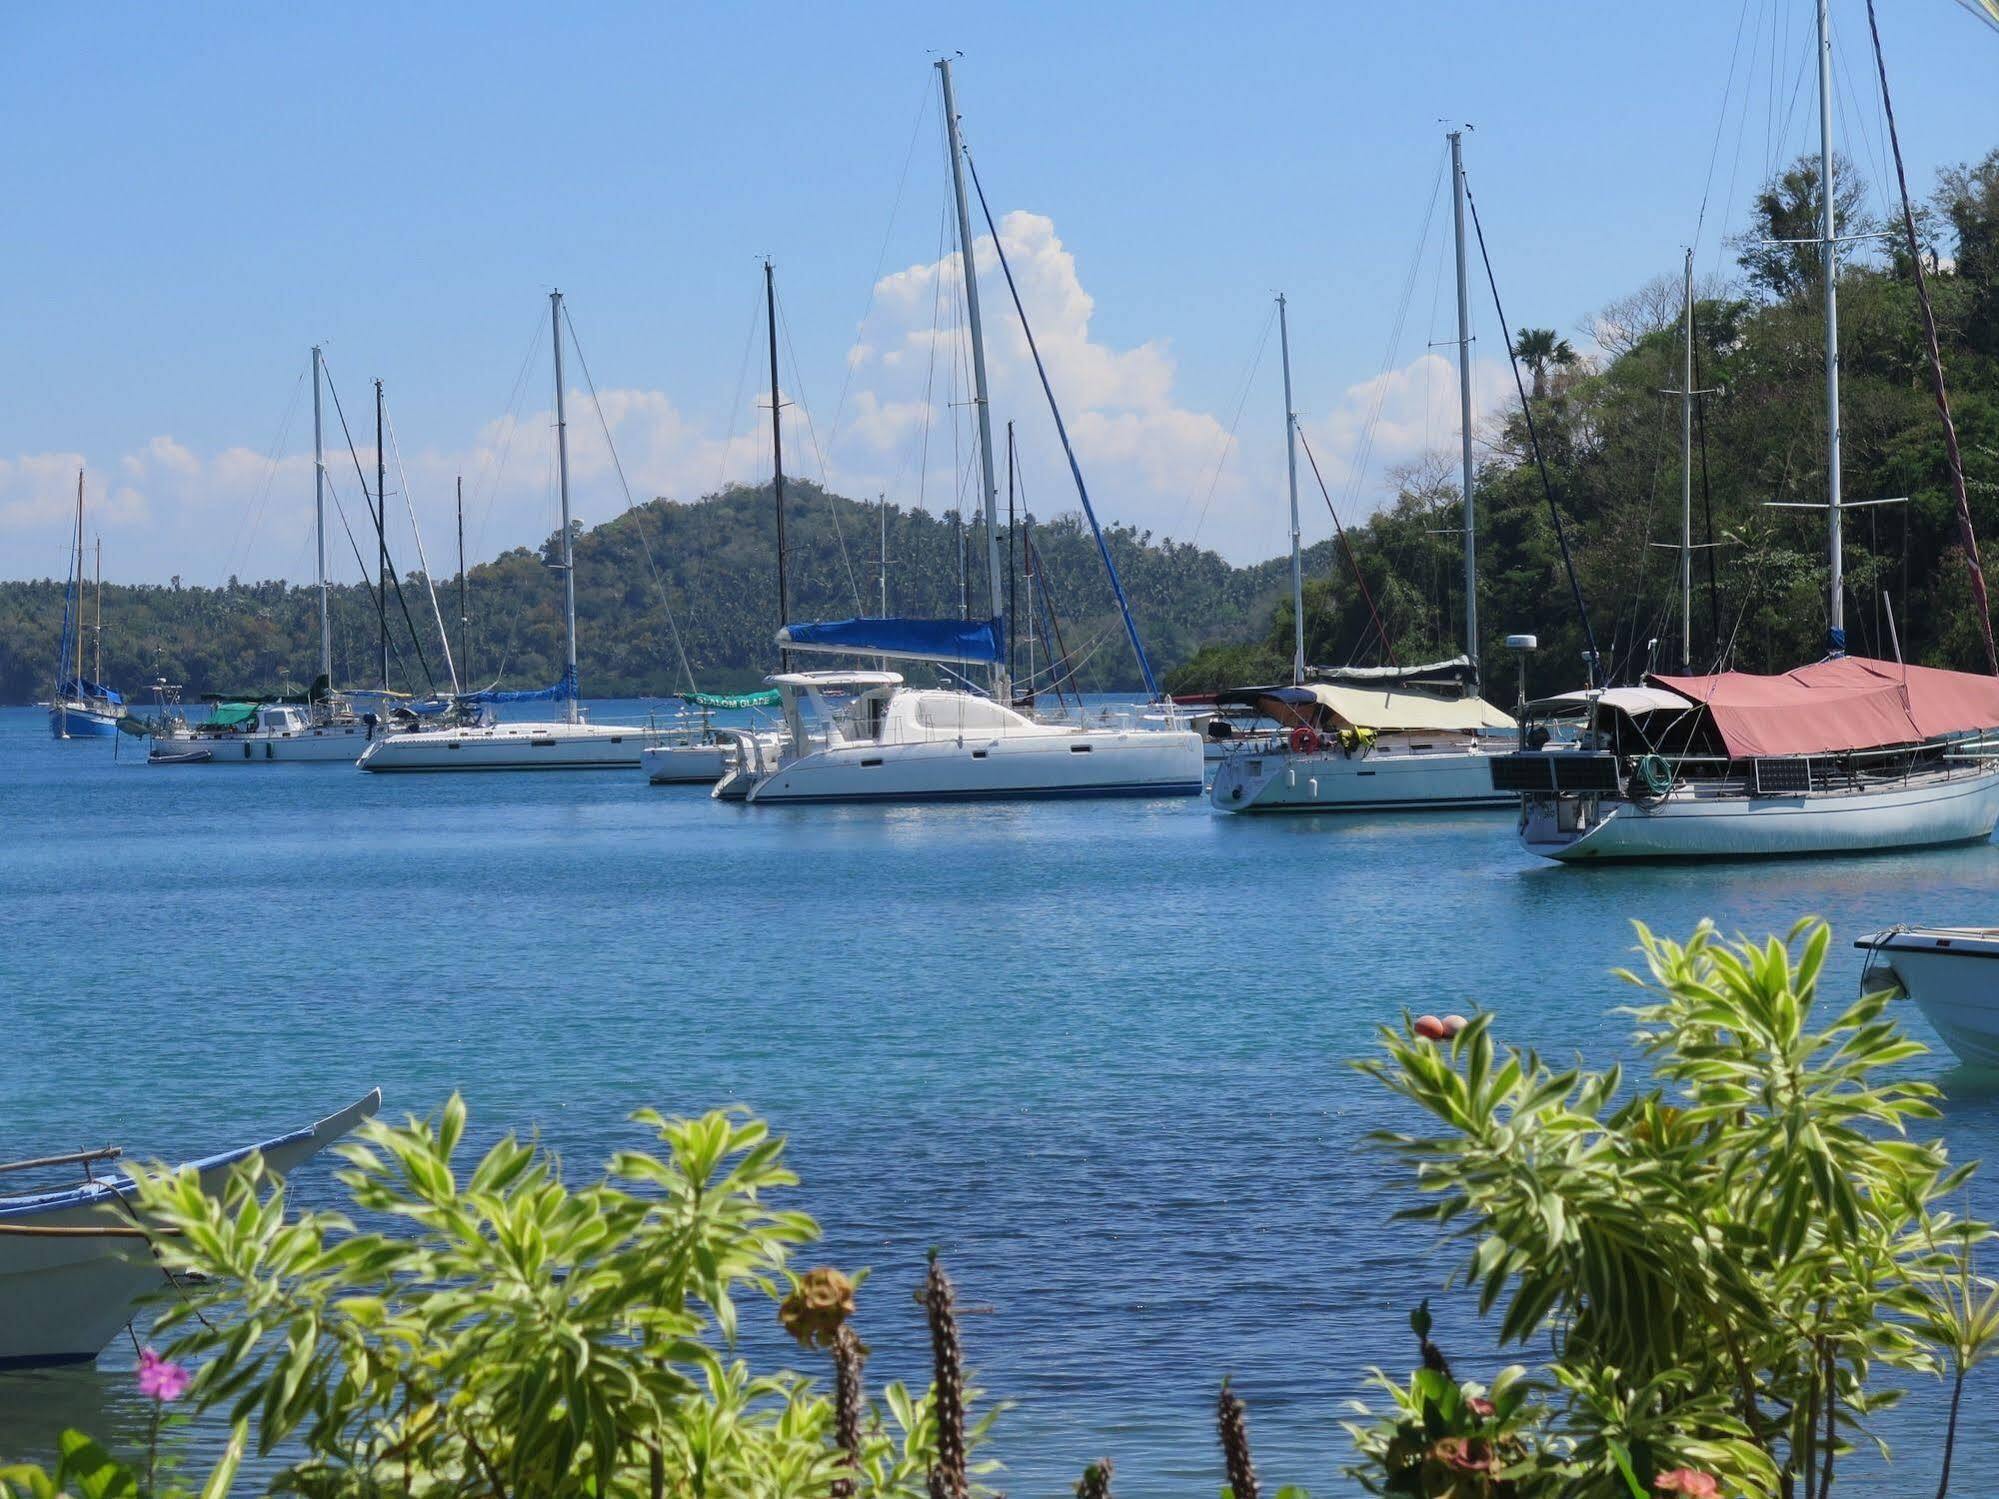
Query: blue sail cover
(975,640)
(83,688)
(561,691)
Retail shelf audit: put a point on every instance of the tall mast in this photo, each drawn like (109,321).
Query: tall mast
(381,542)
(979,393)
(79,576)
(1829,261)
(1464,403)
(777,464)
(1011,610)
(1687,472)
(882,500)
(97,625)
(464,618)
(1291,465)
(562,483)
(319,525)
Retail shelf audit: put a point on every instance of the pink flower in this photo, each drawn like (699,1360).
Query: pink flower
(1483,1408)
(160,1380)
(1688,1482)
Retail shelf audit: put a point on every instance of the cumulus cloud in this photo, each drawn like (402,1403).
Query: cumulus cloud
(903,425)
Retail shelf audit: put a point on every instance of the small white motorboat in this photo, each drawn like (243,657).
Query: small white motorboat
(75,1262)
(1952,973)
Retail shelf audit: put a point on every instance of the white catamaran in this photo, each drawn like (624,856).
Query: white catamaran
(1372,739)
(870,736)
(1843,755)
(569,743)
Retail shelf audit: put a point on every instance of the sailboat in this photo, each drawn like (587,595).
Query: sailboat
(568,743)
(1844,755)
(319,726)
(871,736)
(1371,739)
(80,708)
(75,1262)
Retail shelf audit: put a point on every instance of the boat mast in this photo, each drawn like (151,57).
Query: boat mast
(319,525)
(1687,472)
(464,619)
(1829,261)
(777,463)
(381,542)
(1464,403)
(1291,465)
(979,395)
(77,675)
(562,483)
(97,625)
(1011,526)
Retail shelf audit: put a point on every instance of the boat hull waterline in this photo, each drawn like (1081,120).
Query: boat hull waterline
(552,746)
(82,723)
(1961,808)
(1140,763)
(1953,976)
(1329,781)
(63,1298)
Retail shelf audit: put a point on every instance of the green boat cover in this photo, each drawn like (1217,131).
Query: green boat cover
(230,716)
(764,699)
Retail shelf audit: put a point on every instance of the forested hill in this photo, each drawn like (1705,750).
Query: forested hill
(715,562)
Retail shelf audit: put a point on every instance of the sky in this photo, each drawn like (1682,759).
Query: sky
(203,192)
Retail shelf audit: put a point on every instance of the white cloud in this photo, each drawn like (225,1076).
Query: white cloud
(1151,458)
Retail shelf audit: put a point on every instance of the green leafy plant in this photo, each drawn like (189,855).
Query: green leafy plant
(516,1335)
(1729,1265)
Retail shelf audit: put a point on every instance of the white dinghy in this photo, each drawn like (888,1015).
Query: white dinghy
(75,1262)
(1952,973)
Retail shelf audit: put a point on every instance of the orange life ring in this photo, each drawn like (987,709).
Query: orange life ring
(1304,739)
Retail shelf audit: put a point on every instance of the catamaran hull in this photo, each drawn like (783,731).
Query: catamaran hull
(82,723)
(509,747)
(63,1298)
(1328,781)
(1140,763)
(1959,809)
(1953,976)
(340,745)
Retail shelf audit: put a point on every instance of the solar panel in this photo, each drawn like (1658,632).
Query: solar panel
(1787,776)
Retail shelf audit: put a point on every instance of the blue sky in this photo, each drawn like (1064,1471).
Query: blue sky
(202,191)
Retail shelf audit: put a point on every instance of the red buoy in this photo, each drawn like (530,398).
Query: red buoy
(1430,1028)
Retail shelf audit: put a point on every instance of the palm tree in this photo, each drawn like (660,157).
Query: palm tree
(1538,348)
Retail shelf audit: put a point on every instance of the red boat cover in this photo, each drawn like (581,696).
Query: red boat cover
(1847,703)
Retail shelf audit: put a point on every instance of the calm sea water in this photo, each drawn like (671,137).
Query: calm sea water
(1098,1053)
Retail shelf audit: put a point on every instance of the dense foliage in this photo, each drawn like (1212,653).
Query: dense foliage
(709,565)
(1725,1268)
(1612,441)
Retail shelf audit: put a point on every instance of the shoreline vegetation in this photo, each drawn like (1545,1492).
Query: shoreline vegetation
(1609,435)
(1723,1269)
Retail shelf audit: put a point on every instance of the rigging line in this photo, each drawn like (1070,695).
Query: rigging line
(240,554)
(380,514)
(1721,123)
(736,401)
(1534,438)
(1243,386)
(924,97)
(1339,530)
(1866,126)
(597,405)
(804,404)
(490,473)
(930,369)
(429,582)
(1364,453)
(1741,139)
(1117,584)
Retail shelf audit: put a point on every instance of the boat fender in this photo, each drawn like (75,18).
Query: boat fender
(1430,1028)
(1304,739)
(1454,1023)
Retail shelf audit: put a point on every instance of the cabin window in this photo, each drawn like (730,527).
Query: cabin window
(865,764)
(1079,749)
(978,754)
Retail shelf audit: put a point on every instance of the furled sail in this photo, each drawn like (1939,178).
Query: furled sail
(964,640)
(559,692)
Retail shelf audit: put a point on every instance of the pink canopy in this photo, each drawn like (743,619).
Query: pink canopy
(1848,703)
